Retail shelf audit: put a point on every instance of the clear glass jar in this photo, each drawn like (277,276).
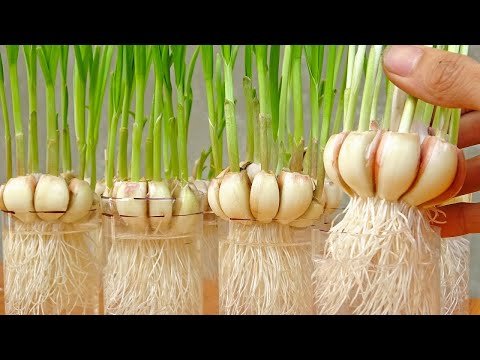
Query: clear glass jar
(51,267)
(399,276)
(265,269)
(153,264)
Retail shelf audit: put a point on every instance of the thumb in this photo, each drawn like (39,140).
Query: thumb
(438,77)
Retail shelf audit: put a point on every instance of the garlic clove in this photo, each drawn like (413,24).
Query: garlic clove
(438,167)
(100,187)
(214,198)
(131,204)
(81,200)
(234,196)
(18,196)
(355,161)
(296,194)
(330,160)
(51,197)
(186,211)
(456,185)
(252,170)
(396,164)
(313,213)
(160,205)
(333,196)
(264,197)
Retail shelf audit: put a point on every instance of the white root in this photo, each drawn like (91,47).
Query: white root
(152,274)
(51,268)
(265,269)
(155,269)
(381,258)
(455,267)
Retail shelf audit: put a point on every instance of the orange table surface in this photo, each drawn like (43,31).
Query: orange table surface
(211,297)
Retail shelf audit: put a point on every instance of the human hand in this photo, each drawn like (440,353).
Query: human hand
(451,80)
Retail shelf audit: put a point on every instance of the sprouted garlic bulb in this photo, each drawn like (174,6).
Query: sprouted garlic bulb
(422,175)
(287,199)
(48,198)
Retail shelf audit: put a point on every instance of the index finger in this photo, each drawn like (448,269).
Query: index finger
(469,133)
(460,219)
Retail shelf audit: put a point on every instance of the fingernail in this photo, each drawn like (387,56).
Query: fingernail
(402,59)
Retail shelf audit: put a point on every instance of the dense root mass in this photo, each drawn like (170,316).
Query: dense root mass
(381,258)
(265,269)
(51,268)
(454,270)
(152,273)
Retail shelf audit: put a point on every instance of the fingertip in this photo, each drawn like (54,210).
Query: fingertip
(461,219)
(402,60)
